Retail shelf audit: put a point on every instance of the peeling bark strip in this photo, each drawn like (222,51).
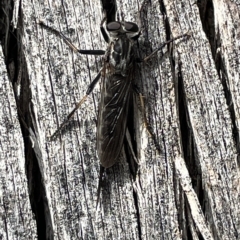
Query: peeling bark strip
(195,207)
(192,100)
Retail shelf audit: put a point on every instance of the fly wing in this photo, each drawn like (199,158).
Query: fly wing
(112,118)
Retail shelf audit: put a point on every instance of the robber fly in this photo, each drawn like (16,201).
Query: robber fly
(117,87)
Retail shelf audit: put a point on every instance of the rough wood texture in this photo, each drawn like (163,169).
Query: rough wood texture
(16,215)
(190,190)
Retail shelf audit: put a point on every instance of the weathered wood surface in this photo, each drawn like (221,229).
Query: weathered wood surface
(188,191)
(16,215)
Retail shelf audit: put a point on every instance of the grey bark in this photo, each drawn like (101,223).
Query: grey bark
(190,190)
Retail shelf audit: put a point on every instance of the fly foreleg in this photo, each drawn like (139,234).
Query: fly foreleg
(161,47)
(68,42)
(103,31)
(164,44)
(89,90)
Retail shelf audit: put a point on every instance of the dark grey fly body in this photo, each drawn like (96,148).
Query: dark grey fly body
(116,90)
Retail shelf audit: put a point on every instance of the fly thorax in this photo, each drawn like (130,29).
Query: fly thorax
(121,55)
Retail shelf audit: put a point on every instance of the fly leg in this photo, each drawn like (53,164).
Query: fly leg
(139,60)
(164,44)
(103,31)
(145,121)
(100,181)
(68,42)
(89,90)
(141,98)
(92,84)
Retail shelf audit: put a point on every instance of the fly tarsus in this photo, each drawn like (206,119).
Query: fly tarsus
(89,90)
(147,124)
(70,115)
(100,181)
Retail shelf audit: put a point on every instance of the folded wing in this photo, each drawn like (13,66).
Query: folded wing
(112,118)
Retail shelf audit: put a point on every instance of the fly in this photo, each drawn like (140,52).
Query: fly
(117,87)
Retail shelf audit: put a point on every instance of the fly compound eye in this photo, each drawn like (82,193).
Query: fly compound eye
(131,27)
(113,26)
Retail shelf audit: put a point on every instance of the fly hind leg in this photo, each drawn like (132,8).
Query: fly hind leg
(145,120)
(89,90)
